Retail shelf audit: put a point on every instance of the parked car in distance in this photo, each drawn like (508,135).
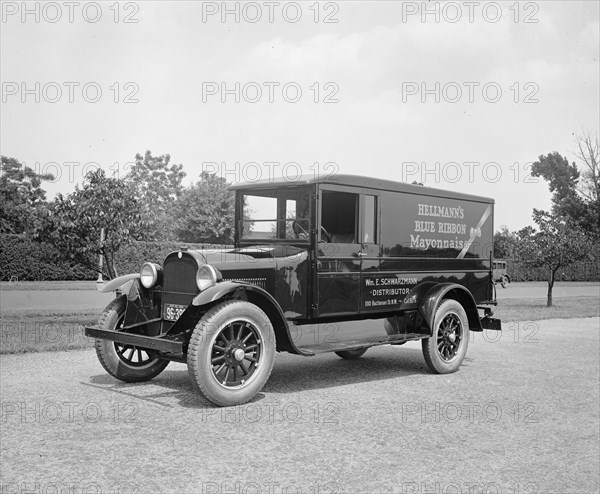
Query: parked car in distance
(500,272)
(335,264)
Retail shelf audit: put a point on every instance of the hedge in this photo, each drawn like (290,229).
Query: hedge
(579,271)
(131,257)
(25,260)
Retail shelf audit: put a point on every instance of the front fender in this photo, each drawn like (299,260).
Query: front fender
(218,291)
(117,282)
(259,297)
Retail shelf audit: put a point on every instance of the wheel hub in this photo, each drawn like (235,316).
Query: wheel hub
(239,354)
(235,352)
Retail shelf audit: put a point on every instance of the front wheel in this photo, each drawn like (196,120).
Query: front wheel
(231,353)
(504,281)
(125,362)
(445,350)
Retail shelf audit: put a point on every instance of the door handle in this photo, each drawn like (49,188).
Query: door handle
(361,254)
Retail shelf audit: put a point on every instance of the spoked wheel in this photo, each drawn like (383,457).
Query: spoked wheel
(351,354)
(125,362)
(231,352)
(447,347)
(132,355)
(236,352)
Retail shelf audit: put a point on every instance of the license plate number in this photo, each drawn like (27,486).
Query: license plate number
(173,311)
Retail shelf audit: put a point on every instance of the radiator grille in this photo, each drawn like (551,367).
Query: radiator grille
(179,279)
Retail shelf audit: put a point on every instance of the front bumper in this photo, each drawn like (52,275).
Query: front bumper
(158,344)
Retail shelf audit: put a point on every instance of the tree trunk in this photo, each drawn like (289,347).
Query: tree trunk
(109,265)
(550,286)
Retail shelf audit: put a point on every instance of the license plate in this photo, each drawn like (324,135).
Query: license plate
(172,312)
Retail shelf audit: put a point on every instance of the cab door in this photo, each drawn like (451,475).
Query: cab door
(338,252)
(370,252)
(348,249)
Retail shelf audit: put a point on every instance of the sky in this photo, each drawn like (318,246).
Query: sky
(461,96)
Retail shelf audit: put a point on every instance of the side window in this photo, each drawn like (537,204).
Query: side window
(369,220)
(259,217)
(297,224)
(339,217)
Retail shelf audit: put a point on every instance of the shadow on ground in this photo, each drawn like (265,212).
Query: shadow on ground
(289,375)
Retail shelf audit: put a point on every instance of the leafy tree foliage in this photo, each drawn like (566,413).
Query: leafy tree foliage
(205,211)
(505,244)
(588,152)
(157,185)
(22,198)
(558,242)
(575,194)
(75,222)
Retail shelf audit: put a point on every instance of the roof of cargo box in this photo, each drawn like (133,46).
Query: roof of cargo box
(358,181)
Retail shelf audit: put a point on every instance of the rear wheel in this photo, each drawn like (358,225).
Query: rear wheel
(447,347)
(504,281)
(351,354)
(231,353)
(125,362)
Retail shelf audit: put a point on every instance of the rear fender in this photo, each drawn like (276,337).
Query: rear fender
(432,299)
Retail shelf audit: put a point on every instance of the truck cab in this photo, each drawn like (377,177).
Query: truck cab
(335,264)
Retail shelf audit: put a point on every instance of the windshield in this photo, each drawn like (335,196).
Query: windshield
(282,214)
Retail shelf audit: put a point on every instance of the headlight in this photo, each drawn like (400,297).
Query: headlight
(206,276)
(150,274)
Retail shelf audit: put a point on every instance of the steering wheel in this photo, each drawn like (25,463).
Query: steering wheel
(326,234)
(298,230)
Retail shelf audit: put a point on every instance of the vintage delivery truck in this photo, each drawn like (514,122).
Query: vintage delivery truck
(336,264)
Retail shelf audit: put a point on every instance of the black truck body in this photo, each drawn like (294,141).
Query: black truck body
(338,263)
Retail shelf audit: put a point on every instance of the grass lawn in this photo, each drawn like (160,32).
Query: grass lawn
(47,285)
(37,331)
(534,309)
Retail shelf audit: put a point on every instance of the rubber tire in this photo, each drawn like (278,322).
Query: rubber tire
(429,345)
(200,351)
(504,281)
(107,354)
(351,354)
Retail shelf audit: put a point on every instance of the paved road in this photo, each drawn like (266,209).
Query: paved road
(54,299)
(521,415)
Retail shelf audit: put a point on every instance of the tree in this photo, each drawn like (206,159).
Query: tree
(505,244)
(588,152)
(158,186)
(74,222)
(558,243)
(205,211)
(575,194)
(23,200)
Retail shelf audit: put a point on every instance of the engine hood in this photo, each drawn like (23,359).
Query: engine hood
(254,257)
